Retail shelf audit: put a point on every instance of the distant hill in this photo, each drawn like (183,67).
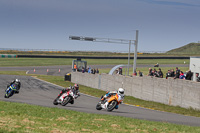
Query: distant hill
(191,48)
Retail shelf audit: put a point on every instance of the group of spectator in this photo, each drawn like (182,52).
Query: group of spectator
(178,74)
(90,70)
(139,73)
(83,70)
(155,73)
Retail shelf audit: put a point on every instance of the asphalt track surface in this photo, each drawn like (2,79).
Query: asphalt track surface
(38,92)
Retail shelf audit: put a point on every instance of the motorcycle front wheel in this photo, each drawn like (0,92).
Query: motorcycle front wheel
(111,105)
(55,101)
(9,94)
(65,101)
(98,106)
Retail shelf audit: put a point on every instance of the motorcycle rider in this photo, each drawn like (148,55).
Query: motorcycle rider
(120,92)
(75,90)
(17,83)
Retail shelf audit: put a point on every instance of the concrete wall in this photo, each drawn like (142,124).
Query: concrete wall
(170,91)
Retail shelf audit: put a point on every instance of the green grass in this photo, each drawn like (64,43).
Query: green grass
(129,100)
(18,117)
(12,62)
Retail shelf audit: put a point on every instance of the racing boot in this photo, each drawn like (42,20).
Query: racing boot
(105,105)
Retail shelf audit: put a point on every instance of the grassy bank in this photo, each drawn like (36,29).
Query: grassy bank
(18,117)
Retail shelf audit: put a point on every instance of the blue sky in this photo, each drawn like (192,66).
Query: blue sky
(47,24)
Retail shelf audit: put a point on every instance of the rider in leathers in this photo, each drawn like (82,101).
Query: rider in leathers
(75,90)
(17,84)
(120,92)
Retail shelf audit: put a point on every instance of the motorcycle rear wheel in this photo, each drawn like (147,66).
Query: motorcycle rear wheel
(111,105)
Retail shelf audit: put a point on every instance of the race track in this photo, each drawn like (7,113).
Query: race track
(37,92)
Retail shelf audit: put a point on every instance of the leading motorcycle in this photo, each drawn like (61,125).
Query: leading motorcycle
(113,102)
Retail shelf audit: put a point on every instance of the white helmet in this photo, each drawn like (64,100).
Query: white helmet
(17,80)
(120,91)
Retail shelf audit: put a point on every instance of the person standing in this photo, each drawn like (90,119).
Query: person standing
(189,75)
(160,73)
(172,73)
(168,74)
(177,74)
(182,76)
(97,71)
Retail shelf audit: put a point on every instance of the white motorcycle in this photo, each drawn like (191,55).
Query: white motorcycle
(65,98)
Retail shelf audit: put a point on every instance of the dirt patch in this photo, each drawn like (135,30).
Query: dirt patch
(30,128)
(99,119)
(85,130)
(17,126)
(61,119)
(115,125)
(26,120)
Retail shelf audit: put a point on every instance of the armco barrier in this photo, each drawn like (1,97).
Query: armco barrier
(8,56)
(170,91)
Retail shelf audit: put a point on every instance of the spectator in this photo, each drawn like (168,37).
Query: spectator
(89,70)
(168,74)
(75,67)
(140,73)
(135,73)
(83,70)
(189,75)
(97,70)
(155,74)
(160,73)
(177,73)
(172,73)
(197,77)
(182,76)
(150,72)
(117,71)
(120,70)
(92,71)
